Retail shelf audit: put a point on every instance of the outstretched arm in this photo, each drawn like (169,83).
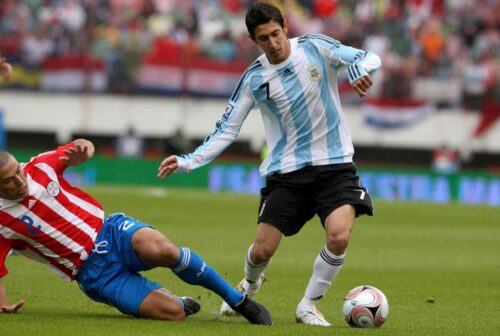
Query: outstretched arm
(4,306)
(167,167)
(81,151)
(5,68)
(226,130)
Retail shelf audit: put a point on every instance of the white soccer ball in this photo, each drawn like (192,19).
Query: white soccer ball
(365,307)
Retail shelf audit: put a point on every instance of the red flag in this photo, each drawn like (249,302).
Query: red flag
(490,112)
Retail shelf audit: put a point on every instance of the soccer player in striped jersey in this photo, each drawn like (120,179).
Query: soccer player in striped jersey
(309,169)
(45,218)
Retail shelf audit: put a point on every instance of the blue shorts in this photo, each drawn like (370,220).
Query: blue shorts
(110,274)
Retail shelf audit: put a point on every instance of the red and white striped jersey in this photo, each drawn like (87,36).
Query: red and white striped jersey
(56,223)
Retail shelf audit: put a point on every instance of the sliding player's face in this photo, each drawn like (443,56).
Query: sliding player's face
(13,180)
(272,39)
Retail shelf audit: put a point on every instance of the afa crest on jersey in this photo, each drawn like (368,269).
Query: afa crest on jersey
(314,73)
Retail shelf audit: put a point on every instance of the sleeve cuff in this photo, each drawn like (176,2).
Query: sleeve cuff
(183,166)
(355,71)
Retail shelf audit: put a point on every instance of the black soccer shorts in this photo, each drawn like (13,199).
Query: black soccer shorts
(289,200)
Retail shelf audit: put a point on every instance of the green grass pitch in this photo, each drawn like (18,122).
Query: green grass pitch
(412,252)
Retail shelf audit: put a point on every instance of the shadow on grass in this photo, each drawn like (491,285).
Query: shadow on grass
(58,314)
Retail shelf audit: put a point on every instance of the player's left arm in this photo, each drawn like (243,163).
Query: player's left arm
(81,151)
(360,65)
(359,72)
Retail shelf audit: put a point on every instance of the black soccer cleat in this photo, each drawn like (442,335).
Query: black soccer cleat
(254,312)
(191,306)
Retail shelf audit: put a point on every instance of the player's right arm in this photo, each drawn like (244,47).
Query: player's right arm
(226,130)
(168,166)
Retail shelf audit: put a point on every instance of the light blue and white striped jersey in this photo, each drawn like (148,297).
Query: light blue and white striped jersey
(300,106)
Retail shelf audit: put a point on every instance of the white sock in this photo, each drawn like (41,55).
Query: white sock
(326,267)
(252,271)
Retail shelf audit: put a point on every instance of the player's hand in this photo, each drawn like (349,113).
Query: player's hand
(76,155)
(5,69)
(167,167)
(362,85)
(10,309)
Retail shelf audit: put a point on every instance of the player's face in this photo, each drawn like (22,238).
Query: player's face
(13,180)
(272,39)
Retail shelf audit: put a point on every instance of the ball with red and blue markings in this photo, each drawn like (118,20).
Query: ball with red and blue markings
(365,307)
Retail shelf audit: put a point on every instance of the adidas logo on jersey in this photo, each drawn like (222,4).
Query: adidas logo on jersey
(286,73)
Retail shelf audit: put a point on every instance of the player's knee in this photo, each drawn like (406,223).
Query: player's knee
(154,249)
(261,254)
(337,244)
(168,252)
(162,253)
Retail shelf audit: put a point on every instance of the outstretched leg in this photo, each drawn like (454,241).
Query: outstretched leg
(155,250)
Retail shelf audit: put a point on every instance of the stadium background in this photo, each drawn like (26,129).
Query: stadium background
(161,70)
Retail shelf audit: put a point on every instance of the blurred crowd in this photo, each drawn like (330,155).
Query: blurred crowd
(441,39)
